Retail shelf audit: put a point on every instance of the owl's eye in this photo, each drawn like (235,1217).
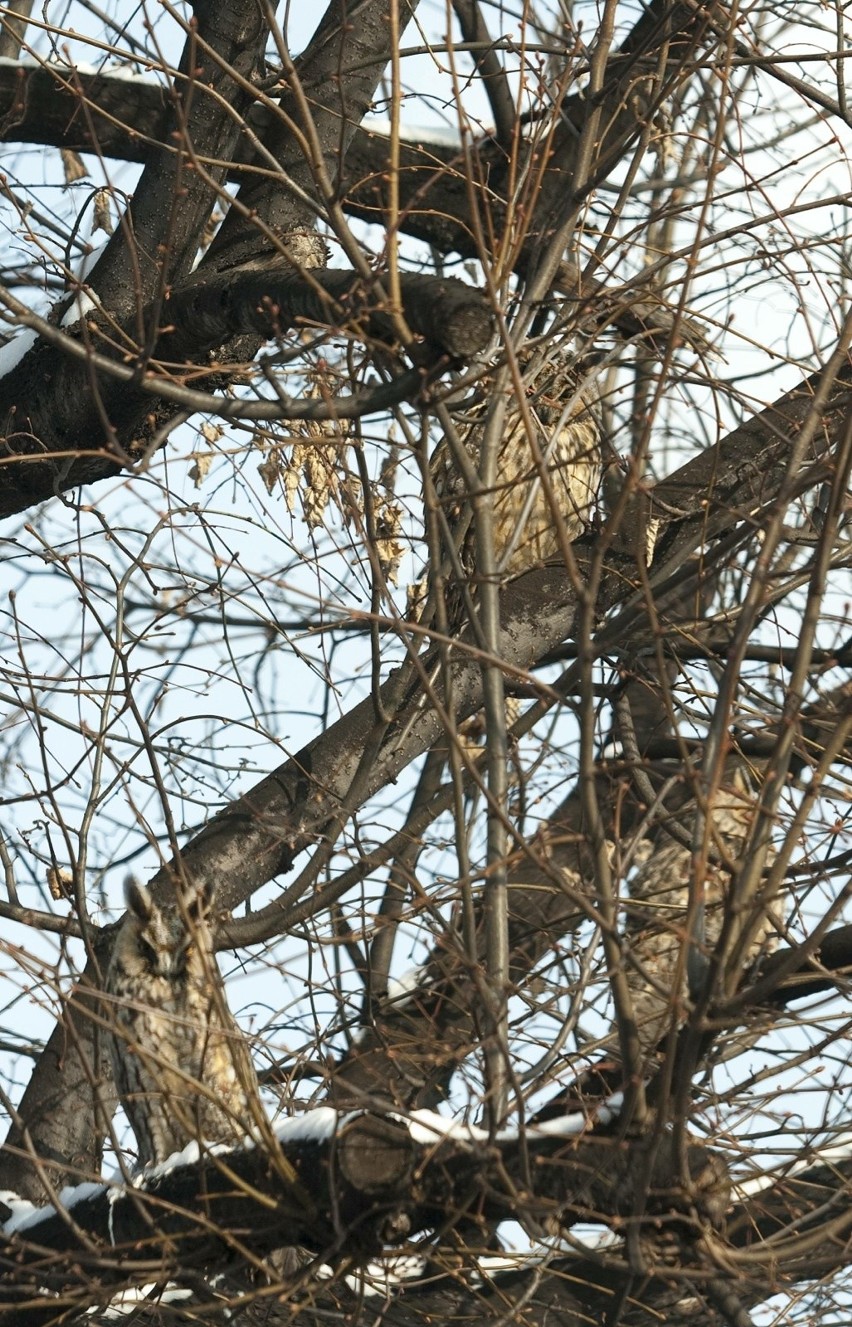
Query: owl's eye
(147,950)
(183,954)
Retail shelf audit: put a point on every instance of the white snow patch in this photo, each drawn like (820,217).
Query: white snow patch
(194,1151)
(492,1264)
(21,1209)
(25,1215)
(313,1126)
(83,302)
(78,308)
(380,1278)
(838,1150)
(322,1123)
(427,1126)
(400,989)
(187,1156)
(128,74)
(77,67)
(565,1126)
(122,71)
(13,352)
(129,1300)
(78,1193)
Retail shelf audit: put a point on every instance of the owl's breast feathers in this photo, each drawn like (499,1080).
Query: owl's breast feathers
(549,469)
(180,1062)
(665,936)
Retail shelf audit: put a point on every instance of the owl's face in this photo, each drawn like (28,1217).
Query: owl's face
(162,942)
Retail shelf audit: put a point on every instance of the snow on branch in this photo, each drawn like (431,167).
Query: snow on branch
(365,1181)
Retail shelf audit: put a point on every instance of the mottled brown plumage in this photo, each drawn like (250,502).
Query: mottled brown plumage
(554,465)
(658,938)
(181,1065)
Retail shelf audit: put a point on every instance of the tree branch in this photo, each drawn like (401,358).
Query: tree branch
(364,1181)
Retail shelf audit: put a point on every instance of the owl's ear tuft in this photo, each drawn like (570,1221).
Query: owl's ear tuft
(138,899)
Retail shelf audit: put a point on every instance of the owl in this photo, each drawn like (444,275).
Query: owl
(548,473)
(662,958)
(181,1065)
(549,469)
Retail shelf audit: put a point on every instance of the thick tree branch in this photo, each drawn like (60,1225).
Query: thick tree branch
(451,316)
(328,90)
(51,404)
(127,120)
(158,242)
(53,399)
(368,1182)
(364,1182)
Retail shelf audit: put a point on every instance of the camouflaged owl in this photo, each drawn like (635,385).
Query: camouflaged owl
(181,1064)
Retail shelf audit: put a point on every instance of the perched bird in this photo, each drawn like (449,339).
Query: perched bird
(667,949)
(548,469)
(548,472)
(181,1064)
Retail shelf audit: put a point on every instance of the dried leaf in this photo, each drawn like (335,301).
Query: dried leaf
(102,219)
(60,882)
(72,165)
(389,547)
(270,472)
(201,463)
